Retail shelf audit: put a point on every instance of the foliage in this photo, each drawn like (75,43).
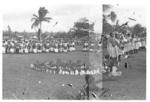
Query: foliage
(82,27)
(62,35)
(138,30)
(38,19)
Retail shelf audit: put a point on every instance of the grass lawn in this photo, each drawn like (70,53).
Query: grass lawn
(132,84)
(19,82)
(22,83)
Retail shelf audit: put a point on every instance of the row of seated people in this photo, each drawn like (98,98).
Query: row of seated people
(34,47)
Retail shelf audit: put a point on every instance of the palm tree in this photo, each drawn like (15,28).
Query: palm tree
(38,19)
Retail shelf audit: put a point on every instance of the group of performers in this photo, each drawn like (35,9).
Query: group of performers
(68,68)
(120,46)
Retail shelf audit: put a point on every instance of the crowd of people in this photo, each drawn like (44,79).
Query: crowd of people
(121,46)
(118,46)
(31,46)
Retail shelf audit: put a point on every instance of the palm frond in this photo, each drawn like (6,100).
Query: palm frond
(47,19)
(33,19)
(35,24)
(35,15)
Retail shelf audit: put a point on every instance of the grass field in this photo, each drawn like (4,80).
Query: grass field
(132,84)
(19,82)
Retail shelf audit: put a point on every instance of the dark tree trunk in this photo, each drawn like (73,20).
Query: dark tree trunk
(40,32)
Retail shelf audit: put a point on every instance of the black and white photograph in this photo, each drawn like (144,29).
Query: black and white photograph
(73,51)
(124,51)
(52,51)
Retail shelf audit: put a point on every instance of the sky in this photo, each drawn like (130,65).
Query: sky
(124,12)
(18,16)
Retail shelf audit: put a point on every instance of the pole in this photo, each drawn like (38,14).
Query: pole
(87,87)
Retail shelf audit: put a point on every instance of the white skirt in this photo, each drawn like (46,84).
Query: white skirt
(88,72)
(34,50)
(129,47)
(21,50)
(65,50)
(82,72)
(12,50)
(136,45)
(4,50)
(140,44)
(91,50)
(60,49)
(119,51)
(39,51)
(143,43)
(47,50)
(85,49)
(71,49)
(56,50)
(30,50)
(71,73)
(51,49)
(60,71)
(112,51)
(76,72)
(26,50)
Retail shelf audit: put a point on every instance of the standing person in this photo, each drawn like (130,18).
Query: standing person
(111,48)
(127,45)
(134,44)
(144,42)
(118,47)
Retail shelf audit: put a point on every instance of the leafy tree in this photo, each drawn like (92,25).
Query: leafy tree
(138,30)
(82,27)
(38,19)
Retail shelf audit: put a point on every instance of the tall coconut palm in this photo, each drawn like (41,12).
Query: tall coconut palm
(38,19)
